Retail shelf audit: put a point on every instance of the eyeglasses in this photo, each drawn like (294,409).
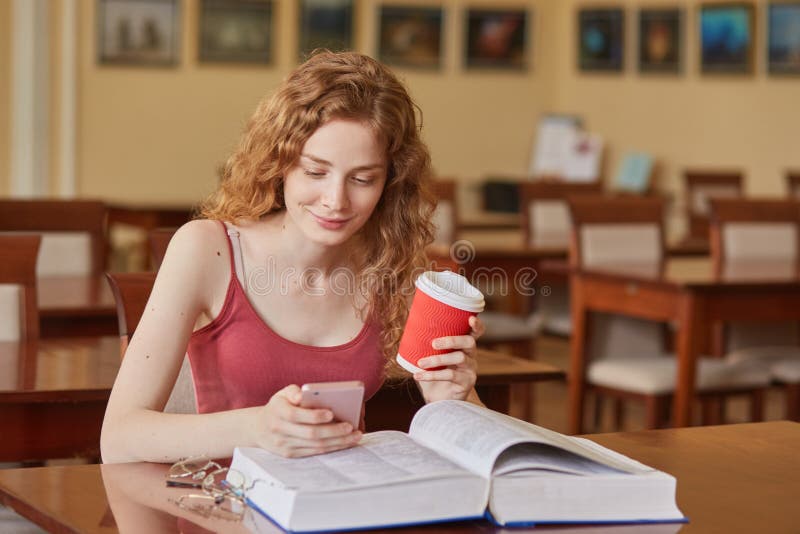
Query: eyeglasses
(223,494)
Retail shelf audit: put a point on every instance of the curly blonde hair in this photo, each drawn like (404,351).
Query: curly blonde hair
(350,86)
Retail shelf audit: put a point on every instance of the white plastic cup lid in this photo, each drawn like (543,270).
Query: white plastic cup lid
(451,289)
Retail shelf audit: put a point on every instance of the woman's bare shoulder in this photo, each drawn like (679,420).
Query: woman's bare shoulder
(199,235)
(198,246)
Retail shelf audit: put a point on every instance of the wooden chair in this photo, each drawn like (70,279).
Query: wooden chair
(74,238)
(131,292)
(158,240)
(18,304)
(445,217)
(546,224)
(19,326)
(545,213)
(793,184)
(627,360)
(764,233)
(700,185)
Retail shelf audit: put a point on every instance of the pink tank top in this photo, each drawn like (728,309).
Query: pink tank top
(238,361)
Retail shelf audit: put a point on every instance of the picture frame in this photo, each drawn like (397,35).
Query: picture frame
(410,36)
(138,32)
(601,39)
(783,38)
(325,24)
(661,40)
(235,31)
(496,38)
(727,37)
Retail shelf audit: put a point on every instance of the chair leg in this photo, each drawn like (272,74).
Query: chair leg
(793,401)
(597,411)
(711,410)
(619,414)
(653,409)
(666,413)
(757,406)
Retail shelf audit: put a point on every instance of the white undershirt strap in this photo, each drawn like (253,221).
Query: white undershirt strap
(236,247)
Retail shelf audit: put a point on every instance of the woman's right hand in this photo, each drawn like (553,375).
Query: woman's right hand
(285,428)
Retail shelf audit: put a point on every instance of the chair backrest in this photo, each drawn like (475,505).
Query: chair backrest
(445,217)
(158,240)
(19,312)
(131,291)
(617,230)
(700,186)
(755,230)
(793,183)
(545,213)
(765,232)
(74,237)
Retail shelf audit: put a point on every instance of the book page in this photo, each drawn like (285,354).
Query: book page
(474,437)
(528,456)
(381,458)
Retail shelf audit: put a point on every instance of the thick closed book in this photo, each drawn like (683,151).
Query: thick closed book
(458,461)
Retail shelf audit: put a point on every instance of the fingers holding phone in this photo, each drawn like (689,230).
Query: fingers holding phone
(316,419)
(343,399)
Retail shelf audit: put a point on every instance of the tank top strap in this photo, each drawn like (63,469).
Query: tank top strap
(235,248)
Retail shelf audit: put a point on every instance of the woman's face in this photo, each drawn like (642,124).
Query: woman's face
(337,182)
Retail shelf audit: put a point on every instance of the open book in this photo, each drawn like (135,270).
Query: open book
(458,461)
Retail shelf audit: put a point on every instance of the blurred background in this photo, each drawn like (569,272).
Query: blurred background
(73,126)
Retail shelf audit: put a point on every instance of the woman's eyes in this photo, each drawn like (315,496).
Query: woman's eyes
(316,173)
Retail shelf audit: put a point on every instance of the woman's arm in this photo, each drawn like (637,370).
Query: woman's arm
(194,273)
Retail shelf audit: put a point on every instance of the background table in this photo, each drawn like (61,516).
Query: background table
(76,306)
(53,394)
(735,478)
(686,292)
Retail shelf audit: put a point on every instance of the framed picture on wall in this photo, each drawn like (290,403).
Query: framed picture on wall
(496,39)
(660,40)
(138,32)
(726,38)
(783,43)
(235,31)
(325,24)
(410,36)
(601,39)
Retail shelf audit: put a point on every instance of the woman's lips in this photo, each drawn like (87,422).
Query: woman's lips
(330,223)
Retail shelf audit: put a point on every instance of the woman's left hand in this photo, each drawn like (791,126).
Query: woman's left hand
(457,380)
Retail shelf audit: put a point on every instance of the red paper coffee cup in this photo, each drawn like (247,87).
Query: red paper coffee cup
(443,303)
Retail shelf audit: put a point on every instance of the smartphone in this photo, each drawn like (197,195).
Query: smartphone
(344,399)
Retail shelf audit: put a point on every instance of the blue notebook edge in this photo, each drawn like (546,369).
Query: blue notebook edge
(487,515)
(255,508)
(528,524)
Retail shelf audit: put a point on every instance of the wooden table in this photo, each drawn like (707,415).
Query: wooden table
(500,376)
(76,306)
(735,478)
(53,394)
(687,293)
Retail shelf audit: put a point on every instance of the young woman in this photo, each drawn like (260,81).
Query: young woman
(302,271)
